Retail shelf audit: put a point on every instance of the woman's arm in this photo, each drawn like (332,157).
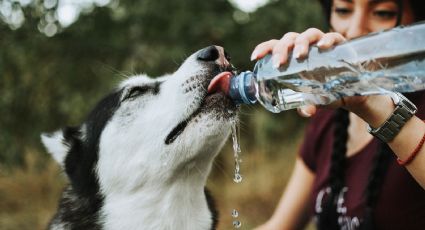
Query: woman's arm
(372,109)
(405,143)
(291,212)
(375,110)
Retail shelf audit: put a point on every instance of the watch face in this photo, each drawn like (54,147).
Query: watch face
(395,97)
(400,100)
(409,105)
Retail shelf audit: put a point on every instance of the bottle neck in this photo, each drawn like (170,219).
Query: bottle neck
(243,88)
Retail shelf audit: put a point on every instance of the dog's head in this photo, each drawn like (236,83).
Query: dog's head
(150,130)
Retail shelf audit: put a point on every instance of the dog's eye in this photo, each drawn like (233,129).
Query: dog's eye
(135,92)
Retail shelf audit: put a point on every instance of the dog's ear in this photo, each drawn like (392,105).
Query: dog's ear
(59,143)
(56,145)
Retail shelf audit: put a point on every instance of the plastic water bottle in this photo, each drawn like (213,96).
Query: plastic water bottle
(391,60)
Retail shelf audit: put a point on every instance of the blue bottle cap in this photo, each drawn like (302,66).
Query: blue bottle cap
(242,88)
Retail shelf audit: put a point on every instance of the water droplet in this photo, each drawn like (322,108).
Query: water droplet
(237,224)
(235,213)
(237,178)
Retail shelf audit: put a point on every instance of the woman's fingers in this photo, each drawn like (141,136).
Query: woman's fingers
(279,48)
(282,47)
(299,43)
(263,49)
(303,41)
(307,110)
(330,39)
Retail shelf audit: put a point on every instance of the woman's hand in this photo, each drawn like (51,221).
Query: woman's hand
(299,44)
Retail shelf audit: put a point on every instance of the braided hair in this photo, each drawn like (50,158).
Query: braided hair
(377,175)
(328,218)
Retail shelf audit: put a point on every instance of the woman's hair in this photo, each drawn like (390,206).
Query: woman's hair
(328,218)
(418,8)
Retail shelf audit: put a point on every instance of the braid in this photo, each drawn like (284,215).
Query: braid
(327,218)
(377,175)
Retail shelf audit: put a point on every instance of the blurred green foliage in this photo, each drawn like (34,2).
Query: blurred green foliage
(49,82)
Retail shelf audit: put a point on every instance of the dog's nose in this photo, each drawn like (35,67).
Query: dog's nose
(216,54)
(208,54)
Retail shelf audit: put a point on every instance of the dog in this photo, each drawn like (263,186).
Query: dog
(142,157)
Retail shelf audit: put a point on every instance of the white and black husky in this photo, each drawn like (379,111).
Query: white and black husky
(142,157)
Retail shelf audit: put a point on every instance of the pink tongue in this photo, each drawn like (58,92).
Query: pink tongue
(221,82)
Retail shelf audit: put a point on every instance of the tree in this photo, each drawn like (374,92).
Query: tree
(48,82)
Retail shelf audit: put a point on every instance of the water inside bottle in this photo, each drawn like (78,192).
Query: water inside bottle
(326,84)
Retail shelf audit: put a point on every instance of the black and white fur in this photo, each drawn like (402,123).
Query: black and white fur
(142,157)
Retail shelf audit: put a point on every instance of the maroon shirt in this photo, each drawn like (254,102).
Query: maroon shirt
(401,201)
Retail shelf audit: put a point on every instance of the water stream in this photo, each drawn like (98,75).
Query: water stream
(236,152)
(237,178)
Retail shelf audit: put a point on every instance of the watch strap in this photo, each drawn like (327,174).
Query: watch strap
(404,110)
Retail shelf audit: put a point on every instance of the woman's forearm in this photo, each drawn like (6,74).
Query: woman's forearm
(375,111)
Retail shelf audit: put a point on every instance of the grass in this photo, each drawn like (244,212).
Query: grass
(29,195)
(255,198)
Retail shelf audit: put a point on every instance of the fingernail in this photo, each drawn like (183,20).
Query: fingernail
(297,52)
(304,112)
(254,55)
(276,61)
(321,43)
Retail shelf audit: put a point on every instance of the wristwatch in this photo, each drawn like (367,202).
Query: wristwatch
(403,111)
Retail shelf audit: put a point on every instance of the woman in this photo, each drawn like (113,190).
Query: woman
(344,177)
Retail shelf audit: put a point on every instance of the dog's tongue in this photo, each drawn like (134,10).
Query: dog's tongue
(221,82)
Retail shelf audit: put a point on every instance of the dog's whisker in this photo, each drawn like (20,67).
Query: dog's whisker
(177,63)
(200,171)
(222,170)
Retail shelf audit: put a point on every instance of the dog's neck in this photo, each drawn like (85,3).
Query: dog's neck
(177,206)
(173,198)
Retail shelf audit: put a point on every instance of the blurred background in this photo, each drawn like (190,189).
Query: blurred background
(58,57)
